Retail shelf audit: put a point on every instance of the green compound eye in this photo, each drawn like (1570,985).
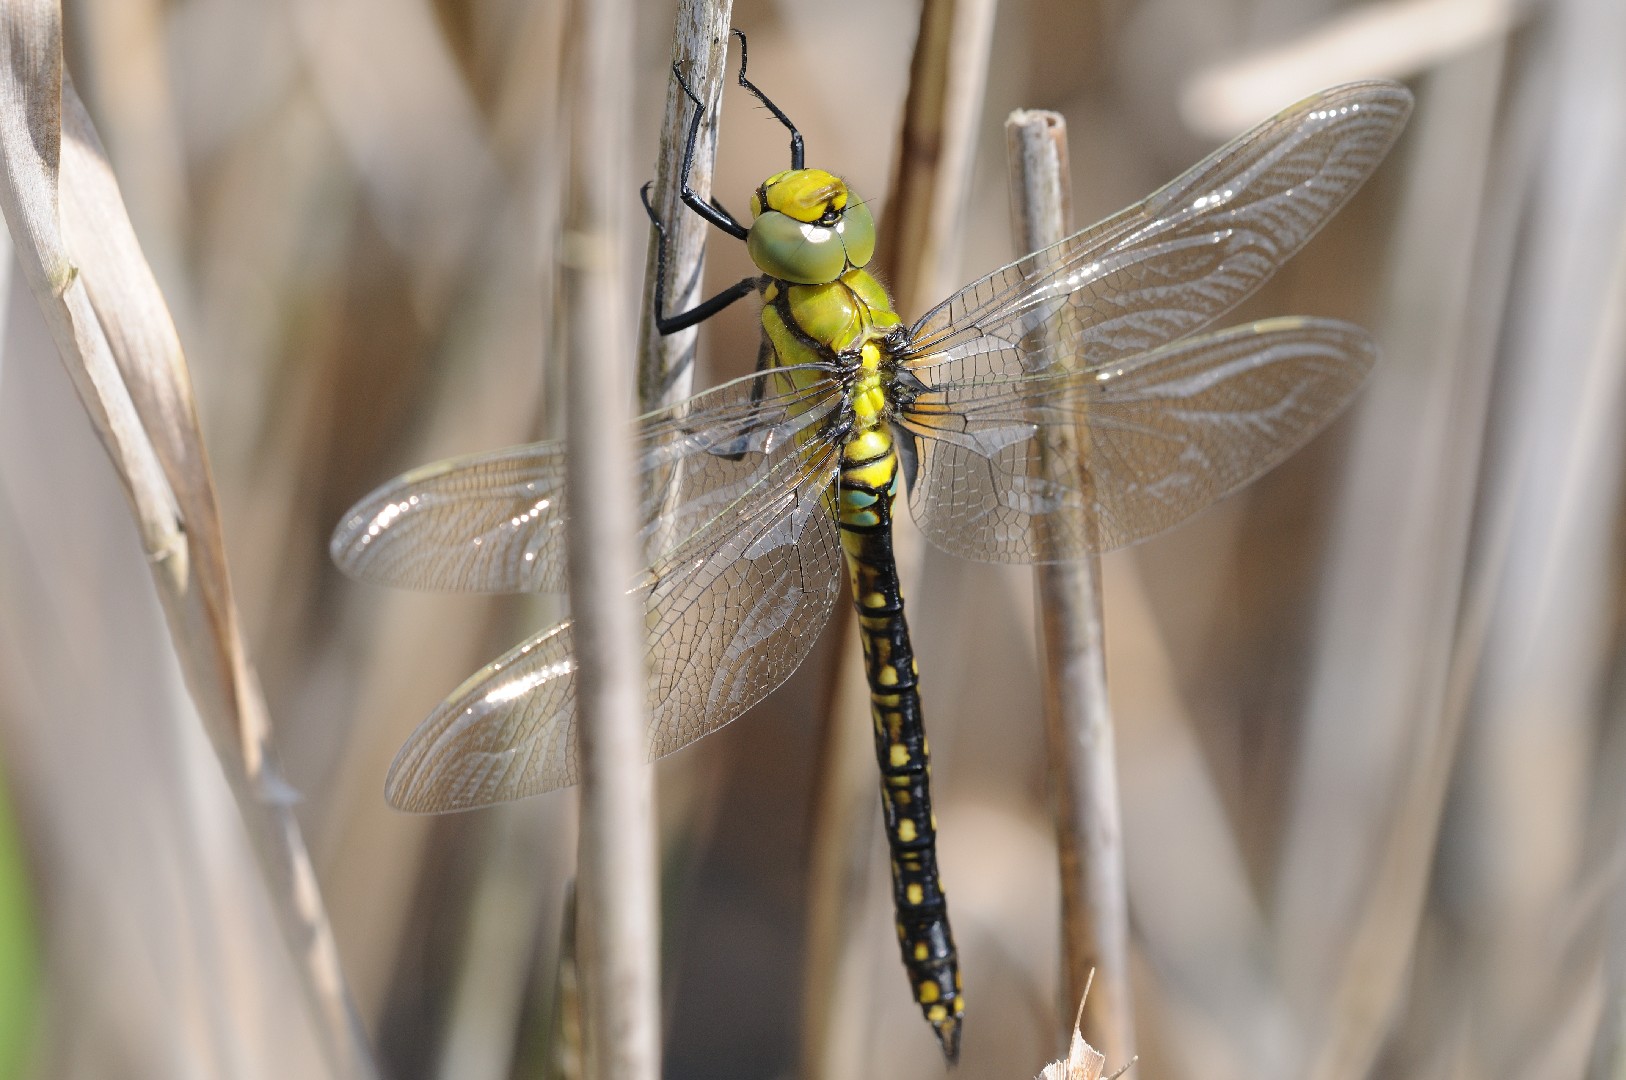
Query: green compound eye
(857,232)
(798,252)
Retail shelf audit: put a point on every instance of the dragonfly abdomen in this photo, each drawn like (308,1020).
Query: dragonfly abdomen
(846,319)
(867,488)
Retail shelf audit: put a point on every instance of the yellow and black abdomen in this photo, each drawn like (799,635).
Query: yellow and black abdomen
(868,487)
(849,320)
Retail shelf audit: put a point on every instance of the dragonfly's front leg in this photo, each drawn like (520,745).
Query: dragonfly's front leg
(671,324)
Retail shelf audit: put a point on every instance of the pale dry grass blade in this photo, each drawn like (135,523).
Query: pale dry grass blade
(619,930)
(1554,476)
(163,958)
(116,339)
(1082,755)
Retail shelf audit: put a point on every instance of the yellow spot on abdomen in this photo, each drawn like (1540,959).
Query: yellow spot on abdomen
(900,755)
(928,992)
(906,830)
(915,893)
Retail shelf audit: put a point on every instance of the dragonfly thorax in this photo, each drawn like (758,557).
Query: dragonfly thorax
(809,227)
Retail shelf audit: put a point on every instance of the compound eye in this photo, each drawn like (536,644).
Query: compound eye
(796,251)
(857,232)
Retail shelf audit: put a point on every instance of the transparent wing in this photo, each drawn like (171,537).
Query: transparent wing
(1044,467)
(494,522)
(731,612)
(1175,261)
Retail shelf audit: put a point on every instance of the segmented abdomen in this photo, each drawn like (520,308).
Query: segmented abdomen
(866,491)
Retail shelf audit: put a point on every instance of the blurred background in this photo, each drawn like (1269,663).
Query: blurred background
(1369,712)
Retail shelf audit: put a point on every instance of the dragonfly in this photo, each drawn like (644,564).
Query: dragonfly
(1068,403)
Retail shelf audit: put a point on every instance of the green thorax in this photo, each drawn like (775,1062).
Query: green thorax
(812,238)
(810,323)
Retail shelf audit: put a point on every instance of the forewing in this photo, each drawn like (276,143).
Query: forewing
(1152,440)
(730,613)
(1175,261)
(494,522)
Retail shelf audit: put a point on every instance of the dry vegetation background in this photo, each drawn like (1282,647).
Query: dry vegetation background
(1370,712)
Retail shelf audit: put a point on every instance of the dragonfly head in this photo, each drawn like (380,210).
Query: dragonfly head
(809,227)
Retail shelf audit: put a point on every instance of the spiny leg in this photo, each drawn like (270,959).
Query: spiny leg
(671,324)
(795,136)
(712,211)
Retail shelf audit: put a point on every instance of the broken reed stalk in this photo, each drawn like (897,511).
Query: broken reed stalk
(700,50)
(919,228)
(619,956)
(1078,719)
(115,337)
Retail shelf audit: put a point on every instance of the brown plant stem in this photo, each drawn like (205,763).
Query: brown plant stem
(700,50)
(1078,717)
(619,956)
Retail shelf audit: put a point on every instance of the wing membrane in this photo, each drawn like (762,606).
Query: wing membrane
(494,522)
(731,613)
(1046,467)
(1175,261)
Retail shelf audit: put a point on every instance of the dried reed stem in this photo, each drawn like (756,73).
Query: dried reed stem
(116,338)
(700,50)
(617,844)
(1078,718)
(918,236)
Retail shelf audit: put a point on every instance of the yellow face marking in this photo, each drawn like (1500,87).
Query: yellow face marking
(900,755)
(915,893)
(906,830)
(804,194)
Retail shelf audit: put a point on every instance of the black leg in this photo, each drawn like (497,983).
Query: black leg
(710,211)
(665,324)
(795,136)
